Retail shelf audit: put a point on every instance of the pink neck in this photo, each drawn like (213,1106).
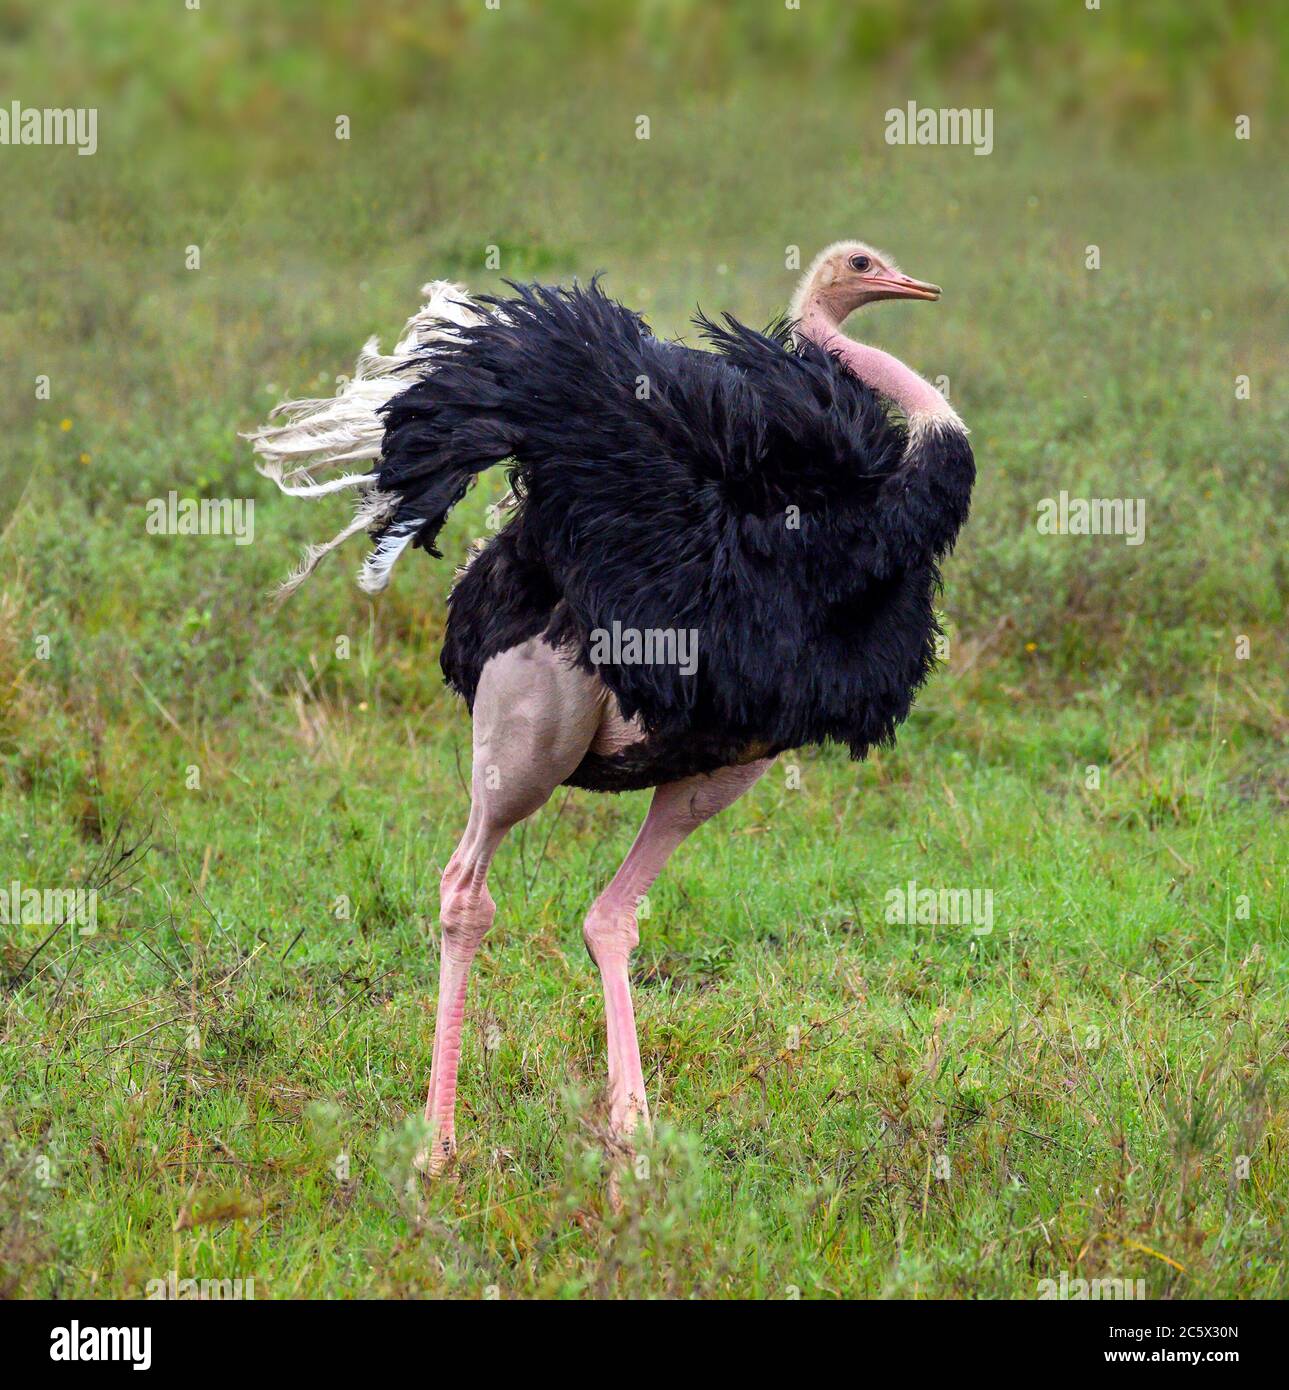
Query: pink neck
(872,366)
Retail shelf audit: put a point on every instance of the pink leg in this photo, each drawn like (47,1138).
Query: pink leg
(466,911)
(534,719)
(610,929)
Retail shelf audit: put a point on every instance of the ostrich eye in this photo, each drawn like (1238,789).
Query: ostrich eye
(860,263)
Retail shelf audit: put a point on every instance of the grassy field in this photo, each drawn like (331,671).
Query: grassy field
(224,1080)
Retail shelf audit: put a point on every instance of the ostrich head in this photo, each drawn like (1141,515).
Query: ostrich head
(847,275)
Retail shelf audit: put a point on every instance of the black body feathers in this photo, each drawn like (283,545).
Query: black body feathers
(756,495)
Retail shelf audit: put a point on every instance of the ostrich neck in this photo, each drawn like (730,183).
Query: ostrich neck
(915,397)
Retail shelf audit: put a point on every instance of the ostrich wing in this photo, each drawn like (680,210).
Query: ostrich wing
(726,493)
(573,387)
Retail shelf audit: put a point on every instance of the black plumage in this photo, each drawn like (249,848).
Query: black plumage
(757,494)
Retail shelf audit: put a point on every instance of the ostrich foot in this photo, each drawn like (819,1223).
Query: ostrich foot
(437,1157)
(629,1124)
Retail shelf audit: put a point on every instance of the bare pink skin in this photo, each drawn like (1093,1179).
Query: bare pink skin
(912,393)
(846,277)
(611,932)
(535,717)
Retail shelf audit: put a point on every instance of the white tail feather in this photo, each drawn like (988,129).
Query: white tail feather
(323,435)
(374,575)
(370,512)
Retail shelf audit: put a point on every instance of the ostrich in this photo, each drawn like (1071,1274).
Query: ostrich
(754,504)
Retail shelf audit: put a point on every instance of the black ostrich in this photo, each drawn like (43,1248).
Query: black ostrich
(711,557)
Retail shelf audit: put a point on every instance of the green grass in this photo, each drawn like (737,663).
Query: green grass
(1092,1068)
(224,1080)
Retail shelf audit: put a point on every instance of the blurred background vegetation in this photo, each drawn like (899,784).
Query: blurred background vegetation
(515,127)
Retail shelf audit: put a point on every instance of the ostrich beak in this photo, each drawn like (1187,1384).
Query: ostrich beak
(897,286)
